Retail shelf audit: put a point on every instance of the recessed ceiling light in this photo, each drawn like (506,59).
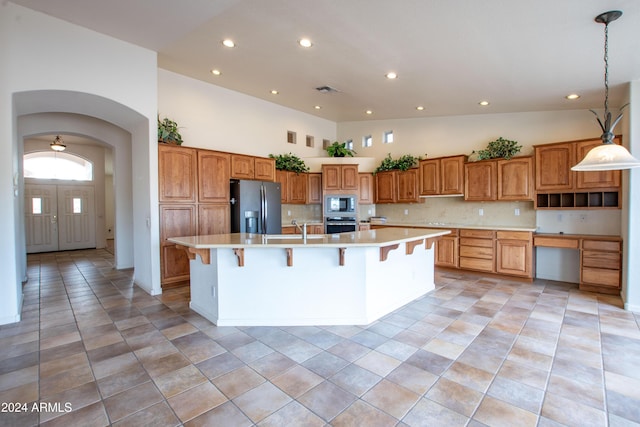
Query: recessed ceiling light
(274,92)
(572,96)
(391,75)
(484,103)
(419,108)
(369,112)
(216,72)
(228,43)
(305,42)
(317,107)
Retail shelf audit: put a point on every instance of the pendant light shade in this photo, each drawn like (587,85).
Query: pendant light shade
(608,156)
(58,144)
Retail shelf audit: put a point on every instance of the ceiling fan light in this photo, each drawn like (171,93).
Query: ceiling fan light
(607,157)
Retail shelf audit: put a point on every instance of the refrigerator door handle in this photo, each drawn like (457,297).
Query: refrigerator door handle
(263,209)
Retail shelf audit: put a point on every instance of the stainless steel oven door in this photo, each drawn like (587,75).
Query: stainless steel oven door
(339,227)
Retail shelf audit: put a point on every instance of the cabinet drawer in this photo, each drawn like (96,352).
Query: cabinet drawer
(601,276)
(556,242)
(513,235)
(476,264)
(608,260)
(476,252)
(481,243)
(601,245)
(483,234)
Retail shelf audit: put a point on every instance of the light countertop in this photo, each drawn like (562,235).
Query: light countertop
(371,238)
(451,225)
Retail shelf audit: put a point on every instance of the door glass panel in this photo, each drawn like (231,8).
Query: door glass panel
(77,205)
(54,165)
(36,205)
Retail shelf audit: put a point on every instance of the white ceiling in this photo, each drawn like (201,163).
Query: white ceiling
(520,55)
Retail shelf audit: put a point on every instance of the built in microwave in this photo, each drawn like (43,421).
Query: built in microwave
(340,204)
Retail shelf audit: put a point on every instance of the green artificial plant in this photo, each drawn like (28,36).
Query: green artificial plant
(168,132)
(338,149)
(402,163)
(499,149)
(289,162)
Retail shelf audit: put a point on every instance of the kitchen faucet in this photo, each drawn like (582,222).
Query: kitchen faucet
(302,229)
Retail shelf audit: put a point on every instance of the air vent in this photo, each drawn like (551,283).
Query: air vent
(326,89)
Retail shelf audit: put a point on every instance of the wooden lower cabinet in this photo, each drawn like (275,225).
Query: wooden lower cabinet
(447,250)
(177,220)
(514,253)
(477,250)
(600,265)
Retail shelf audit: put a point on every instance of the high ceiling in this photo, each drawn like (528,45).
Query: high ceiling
(449,55)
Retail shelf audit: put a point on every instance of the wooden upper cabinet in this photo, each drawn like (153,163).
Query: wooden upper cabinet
(515,179)
(349,177)
(213,177)
(264,169)
(314,188)
(595,179)
(385,187)
(242,167)
(480,181)
(283,178)
(452,175)
(339,178)
(177,174)
(553,166)
(407,182)
(297,188)
(366,189)
(430,177)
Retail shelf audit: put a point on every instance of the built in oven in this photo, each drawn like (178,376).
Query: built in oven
(333,225)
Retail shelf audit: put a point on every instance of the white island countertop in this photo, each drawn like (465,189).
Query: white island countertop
(369,238)
(441,225)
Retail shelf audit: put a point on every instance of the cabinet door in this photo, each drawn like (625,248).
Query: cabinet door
(447,252)
(213,219)
(331,177)
(213,177)
(176,174)
(366,189)
(553,166)
(264,169)
(480,181)
(242,167)
(283,178)
(314,188)
(430,177)
(349,177)
(452,175)
(175,220)
(386,187)
(408,186)
(514,257)
(297,191)
(515,179)
(595,179)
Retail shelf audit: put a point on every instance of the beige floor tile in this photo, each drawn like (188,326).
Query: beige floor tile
(196,401)
(178,381)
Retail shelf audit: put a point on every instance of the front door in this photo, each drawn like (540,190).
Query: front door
(59,217)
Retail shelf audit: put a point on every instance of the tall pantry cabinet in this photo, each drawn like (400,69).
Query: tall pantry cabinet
(194,199)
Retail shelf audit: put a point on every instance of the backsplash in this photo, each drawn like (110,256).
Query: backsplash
(454,210)
(313,213)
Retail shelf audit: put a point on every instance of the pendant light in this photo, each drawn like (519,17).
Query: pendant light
(58,144)
(608,155)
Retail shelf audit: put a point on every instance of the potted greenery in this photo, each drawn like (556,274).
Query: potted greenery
(402,163)
(338,149)
(289,162)
(168,132)
(499,149)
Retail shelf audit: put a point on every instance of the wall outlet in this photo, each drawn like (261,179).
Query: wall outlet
(516,212)
(481,212)
(288,213)
(406,211)
(369,211)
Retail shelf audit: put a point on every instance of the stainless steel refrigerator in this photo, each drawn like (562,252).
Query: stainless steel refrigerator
(255,207)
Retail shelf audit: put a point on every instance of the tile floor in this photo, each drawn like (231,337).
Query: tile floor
(93,349)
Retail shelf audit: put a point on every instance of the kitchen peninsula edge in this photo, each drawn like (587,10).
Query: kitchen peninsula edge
(354,278)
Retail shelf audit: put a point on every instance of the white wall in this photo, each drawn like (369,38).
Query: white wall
(49,65)
(216,118)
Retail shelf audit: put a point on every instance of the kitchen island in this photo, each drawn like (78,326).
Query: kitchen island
(245,279)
